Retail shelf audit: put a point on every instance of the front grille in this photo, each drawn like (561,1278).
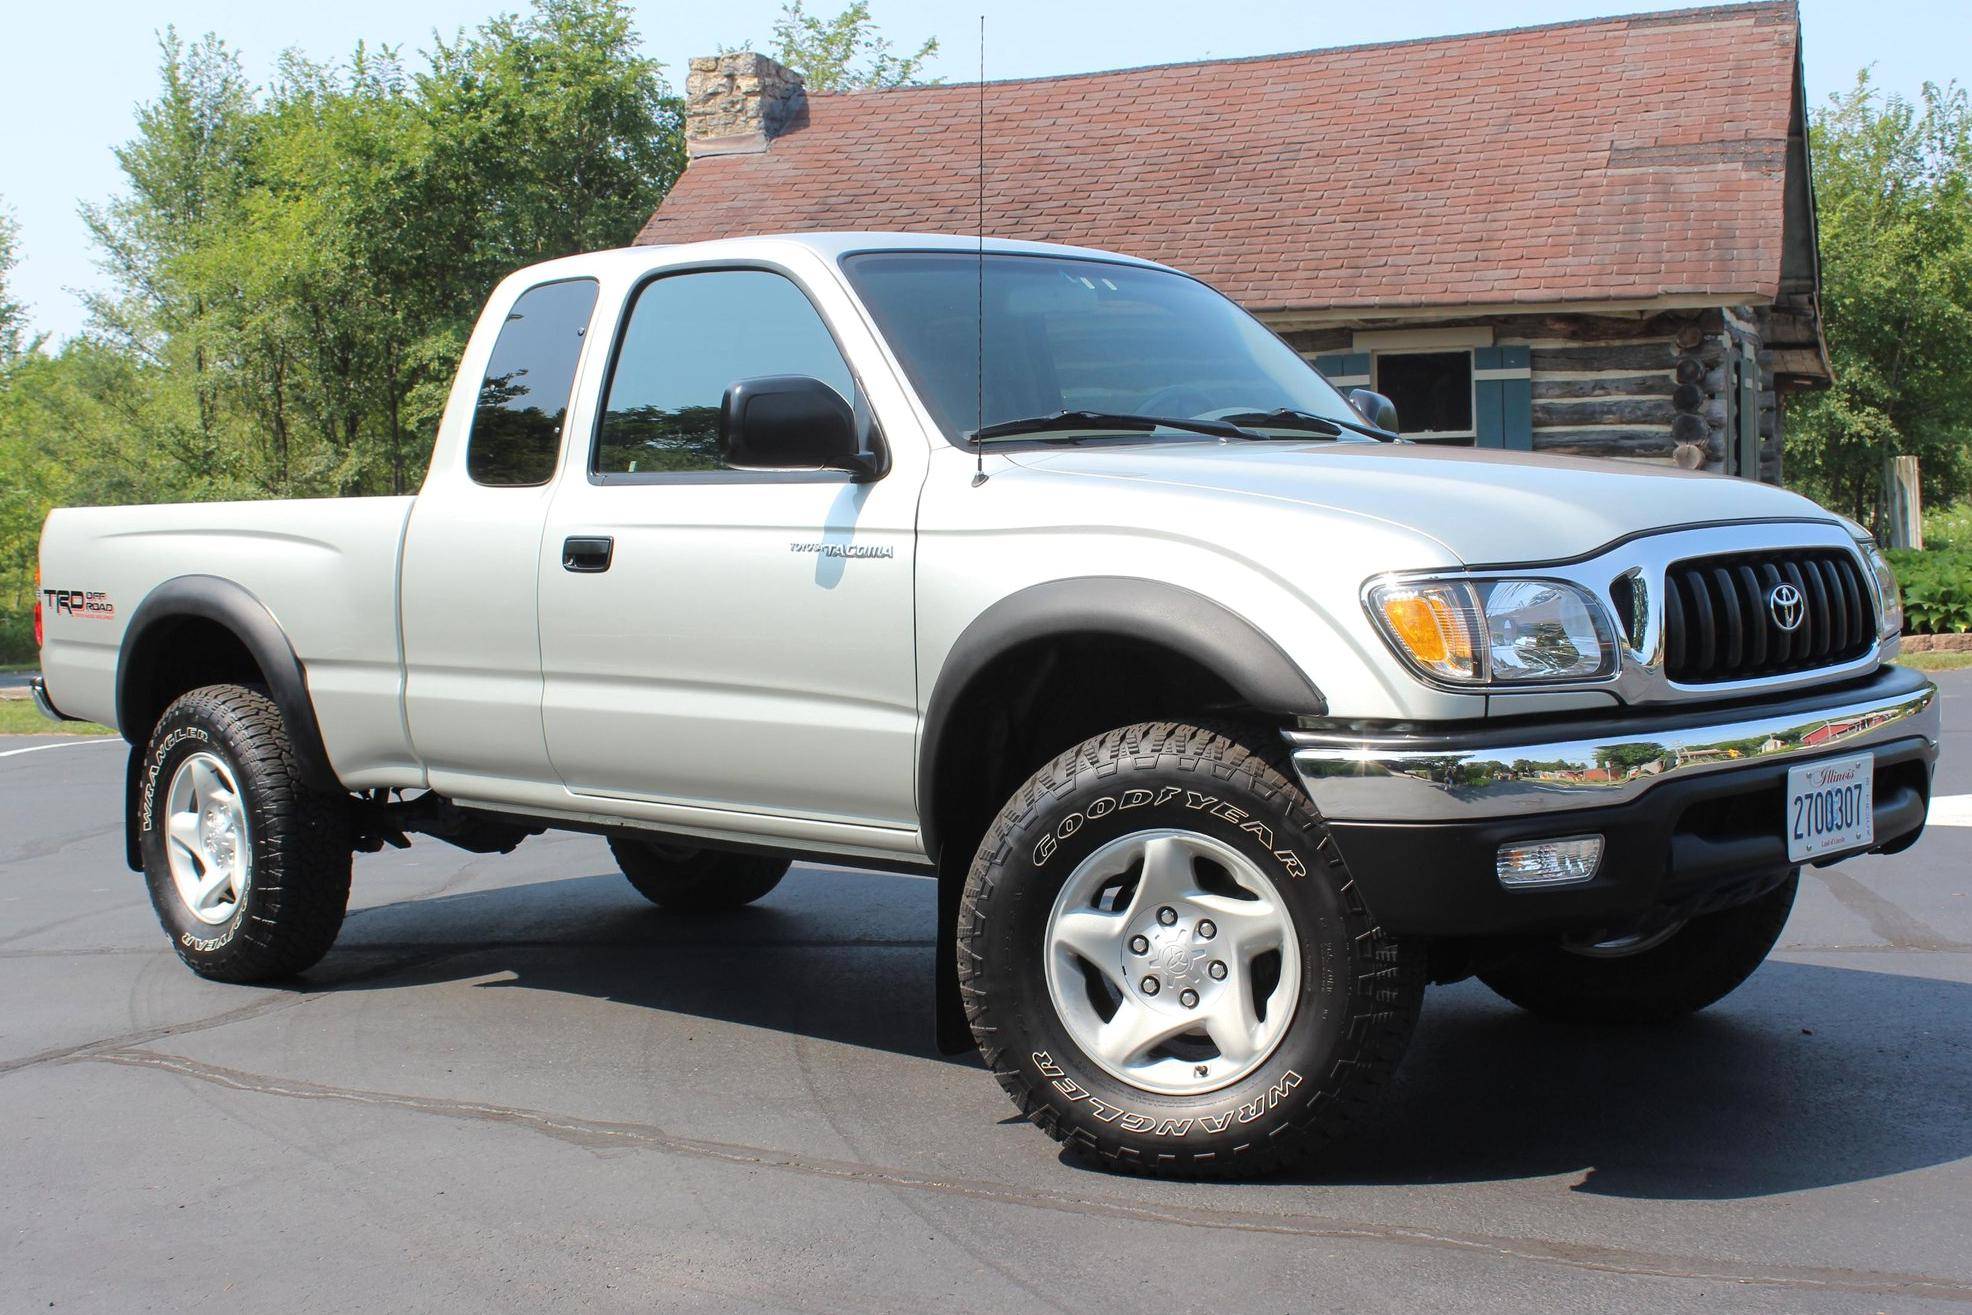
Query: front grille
(1719,621)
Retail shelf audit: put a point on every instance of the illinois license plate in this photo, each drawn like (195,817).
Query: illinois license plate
(1830,806)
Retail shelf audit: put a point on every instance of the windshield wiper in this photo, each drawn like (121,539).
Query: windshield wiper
(1115,421)
(1286,419)
(1380,435)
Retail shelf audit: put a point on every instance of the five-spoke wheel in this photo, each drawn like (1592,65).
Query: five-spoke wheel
(1172,961)
(206,840)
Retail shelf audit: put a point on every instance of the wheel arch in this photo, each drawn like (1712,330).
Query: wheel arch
(196,630)
(1149,614)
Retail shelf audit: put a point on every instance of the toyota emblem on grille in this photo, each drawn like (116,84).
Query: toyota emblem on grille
(1785,604)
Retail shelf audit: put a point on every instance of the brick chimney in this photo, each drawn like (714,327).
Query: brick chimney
(737,102)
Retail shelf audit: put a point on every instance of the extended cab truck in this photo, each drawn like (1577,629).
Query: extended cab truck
(1225,719)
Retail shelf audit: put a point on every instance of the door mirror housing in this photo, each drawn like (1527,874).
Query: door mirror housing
(793,422)
(1375,407)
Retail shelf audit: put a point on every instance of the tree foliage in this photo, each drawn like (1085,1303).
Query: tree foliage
(13,316)
(846,52)
(1893,193)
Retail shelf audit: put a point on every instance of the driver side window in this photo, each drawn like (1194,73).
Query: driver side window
(687,339)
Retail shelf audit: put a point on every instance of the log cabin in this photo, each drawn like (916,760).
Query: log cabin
(1593,237)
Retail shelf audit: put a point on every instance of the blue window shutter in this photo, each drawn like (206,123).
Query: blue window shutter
(1502,398)
(1517,400)
(1345,370)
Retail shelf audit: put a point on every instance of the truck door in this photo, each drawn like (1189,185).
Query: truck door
(737,640)
(472,688)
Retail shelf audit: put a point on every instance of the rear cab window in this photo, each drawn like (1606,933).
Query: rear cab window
(523,399)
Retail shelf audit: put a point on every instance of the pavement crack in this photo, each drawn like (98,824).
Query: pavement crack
(596,1134)
(257,1009)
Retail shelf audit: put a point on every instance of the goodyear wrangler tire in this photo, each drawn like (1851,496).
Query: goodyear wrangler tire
(1166,965)
(1648,979)
(248,868)
(687,880)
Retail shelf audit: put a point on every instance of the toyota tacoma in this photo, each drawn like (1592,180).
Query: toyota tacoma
(1226,719)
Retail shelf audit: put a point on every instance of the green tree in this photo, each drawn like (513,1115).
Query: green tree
(846,52)
(1893,190)
(13,316)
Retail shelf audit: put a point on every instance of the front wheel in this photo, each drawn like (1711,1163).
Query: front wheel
(248,868)
(1166,965)
(1649,977)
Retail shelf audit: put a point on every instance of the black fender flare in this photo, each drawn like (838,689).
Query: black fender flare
(211,598)
(1152,611)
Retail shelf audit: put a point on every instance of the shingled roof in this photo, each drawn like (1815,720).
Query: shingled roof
(1652,158)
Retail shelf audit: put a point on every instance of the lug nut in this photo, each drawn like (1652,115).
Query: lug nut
(1151,986)
(1138,945)
(1206,929)
(1167,915)
(1188,998)
(1218,971)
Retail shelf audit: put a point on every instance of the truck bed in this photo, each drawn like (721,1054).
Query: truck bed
(327,569)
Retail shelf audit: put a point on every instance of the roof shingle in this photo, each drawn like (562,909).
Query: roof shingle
(1614,159)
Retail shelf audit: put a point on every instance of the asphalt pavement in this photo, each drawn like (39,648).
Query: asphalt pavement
(514,1084)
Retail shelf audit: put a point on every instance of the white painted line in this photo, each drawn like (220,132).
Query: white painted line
(1951,810)
(65,744)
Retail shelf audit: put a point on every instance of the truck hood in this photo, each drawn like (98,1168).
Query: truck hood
(1483,505)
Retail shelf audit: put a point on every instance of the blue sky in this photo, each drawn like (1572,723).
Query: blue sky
(77,70)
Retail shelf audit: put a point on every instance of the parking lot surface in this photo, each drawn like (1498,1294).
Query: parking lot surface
(515,1083)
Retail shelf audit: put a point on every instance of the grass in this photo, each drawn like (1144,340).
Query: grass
(18,717)
(1936,661)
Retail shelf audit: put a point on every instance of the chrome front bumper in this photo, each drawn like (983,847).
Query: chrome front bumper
(1486,772)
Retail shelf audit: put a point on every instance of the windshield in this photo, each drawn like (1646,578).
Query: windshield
(1068,334)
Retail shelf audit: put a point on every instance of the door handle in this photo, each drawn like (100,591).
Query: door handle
(587,554)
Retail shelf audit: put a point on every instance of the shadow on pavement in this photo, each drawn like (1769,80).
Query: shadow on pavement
(1808,1076)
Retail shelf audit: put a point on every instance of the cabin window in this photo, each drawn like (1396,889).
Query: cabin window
(523,398)
(1433,393)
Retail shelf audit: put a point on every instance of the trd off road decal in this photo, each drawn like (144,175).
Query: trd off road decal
(1130,1121)
(92,605)
(1137,798)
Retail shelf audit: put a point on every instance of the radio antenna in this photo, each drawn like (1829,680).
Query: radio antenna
(978,446)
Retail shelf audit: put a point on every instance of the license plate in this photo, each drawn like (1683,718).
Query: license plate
(1830,806)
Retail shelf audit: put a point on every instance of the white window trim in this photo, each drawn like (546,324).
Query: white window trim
(1472,381)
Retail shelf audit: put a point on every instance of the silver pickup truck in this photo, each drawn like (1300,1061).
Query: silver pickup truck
(1225,719)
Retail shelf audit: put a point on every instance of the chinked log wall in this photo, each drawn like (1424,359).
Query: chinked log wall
(1611,386)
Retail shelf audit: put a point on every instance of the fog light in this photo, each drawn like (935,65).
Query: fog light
(1549,862)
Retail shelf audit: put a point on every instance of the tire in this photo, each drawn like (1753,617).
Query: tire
(1698,964)
(686,880)
(1223,834)
(273,900)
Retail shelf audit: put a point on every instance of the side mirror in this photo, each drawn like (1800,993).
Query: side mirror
(792,422)
(1375,407)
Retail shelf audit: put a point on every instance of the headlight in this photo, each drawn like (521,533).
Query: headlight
(1506,632)
(1889,598)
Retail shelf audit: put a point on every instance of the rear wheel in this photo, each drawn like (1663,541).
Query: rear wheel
(1649,976)
(688,880)
(1166,964)
(248,868)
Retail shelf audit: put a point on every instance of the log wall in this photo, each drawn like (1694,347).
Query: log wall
(1636,387)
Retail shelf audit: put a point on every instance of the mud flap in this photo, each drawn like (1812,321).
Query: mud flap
(954,1033)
